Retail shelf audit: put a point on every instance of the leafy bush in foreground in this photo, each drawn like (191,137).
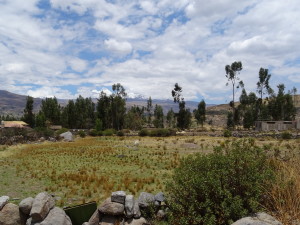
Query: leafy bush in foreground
(221,187)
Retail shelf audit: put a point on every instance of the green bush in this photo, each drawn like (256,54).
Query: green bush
(120,133)
(143,133)
(60,131)
(286,135)
(82,133)
(227,133)
(44,132)
(219,188)
(93,132)
(159,132)
(109,132)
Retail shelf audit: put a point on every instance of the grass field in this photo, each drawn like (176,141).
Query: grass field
(91,168)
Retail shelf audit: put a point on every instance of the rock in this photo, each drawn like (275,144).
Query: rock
(111,208)
(140,221)
(26,205)
(87,223)
(258,219)
(136,210)
(95,218)
(146,199)
(160,197)
(118,196)
(67,136)
(11,215)
(56,216)
(110,220)
(129,206)
(160,214)
(41,206)
(3,201)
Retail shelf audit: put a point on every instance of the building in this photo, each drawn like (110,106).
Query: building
(276,125)
(13,124)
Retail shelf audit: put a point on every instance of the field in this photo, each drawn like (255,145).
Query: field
(91,168)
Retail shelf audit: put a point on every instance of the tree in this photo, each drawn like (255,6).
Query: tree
(134,118)
(200,113)
(104,110)
(29,116)
(232,73)
(171,122)
(149,110)
(40,120)
(51,110)
(158,117)
(118,104)
(263,84)
(184,115)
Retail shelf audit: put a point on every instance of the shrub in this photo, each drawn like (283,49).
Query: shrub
(120,133)
(286,135)
(44,132)
(82,133)
(227,133)
(93,132)
(60,131)
(160,132)
(221,187)
(143,133)
(109,132)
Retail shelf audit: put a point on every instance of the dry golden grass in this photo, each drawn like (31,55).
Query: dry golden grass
(92,167)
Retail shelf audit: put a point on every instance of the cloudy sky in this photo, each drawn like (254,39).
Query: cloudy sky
(66,48)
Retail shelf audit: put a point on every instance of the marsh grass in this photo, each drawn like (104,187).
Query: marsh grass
(91,168)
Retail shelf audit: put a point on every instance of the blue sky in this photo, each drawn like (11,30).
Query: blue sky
(70,48)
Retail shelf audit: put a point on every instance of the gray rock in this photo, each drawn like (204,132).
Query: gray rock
(136,210)
(146,199)
(56,216)
(11,215)
(87,223)
(111,208)
(118,196)
(258,219)
(3,201)
(110,220)
(41,206)
(26,205)
(95,218)
(67,136)
(157,203)
(160,197)
(129,206)
(140,221)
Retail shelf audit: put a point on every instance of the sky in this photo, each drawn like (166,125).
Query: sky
(82,47)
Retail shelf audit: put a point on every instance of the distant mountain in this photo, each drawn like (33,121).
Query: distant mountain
(14,104)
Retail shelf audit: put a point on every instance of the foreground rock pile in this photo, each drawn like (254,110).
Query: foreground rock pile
(40,210)
(119,209)
(124,209)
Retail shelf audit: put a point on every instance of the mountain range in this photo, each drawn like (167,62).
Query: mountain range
(14,104)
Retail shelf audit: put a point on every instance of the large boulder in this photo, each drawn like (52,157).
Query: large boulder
(140,221)
(136,210)
(41,206)
(95,218)
(67,136)
(26,205)
(3,201)
(258,219)
(129,205)
(110,220)
(118,196)
(146,199)
(111,208)
(11,215)
(56,216)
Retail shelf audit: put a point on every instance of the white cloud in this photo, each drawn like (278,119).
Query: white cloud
(118,48)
